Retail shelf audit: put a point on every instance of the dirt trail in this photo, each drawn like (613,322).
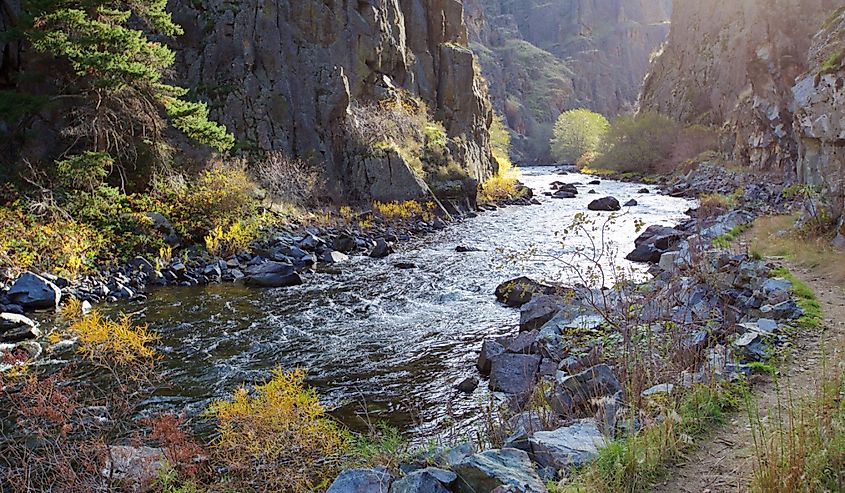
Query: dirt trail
(723,463)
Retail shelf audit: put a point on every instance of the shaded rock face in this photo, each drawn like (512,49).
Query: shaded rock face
(282,76)
(734,64)
(543,57)
(820,114)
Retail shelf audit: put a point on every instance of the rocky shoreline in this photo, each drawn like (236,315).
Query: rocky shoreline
(716,312)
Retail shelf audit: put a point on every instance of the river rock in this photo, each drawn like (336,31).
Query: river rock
(519,291)
(573,392)
(492,469)
(539,310)
(381,249)
(489,349)
(361,481)
(16,328)
(514,373)
(594,182)
(468,385)
(570,446)
(631,203)
(310,243)
(272,274)
(562,194)
(34,292)
(334,257)
(653,242)
(643,190)
(466,249)
(522,343)
(344,243)
(428,480)
(609,204)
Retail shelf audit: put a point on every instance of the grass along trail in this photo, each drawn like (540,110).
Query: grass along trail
(725,460)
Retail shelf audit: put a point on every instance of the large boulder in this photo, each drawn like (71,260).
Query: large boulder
(572,445)
(653,242)
(361,481)
(509,468)
(272,275)
(517,292)
(574,392)
(428,480)
(514,373)
(489,349)
(539,310)
(33,292)
(608,204)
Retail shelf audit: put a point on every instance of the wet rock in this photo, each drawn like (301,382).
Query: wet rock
(570,446)
(466,249)
(575,391)
(381,249)
(333,257)
(514,373)
(609,204)
(16,328)
(631,203)
(428,480)
(594,182)
(643,190)
(561,194)
(405,265)
(493,469)
(592,192)
(523,343)
(361,481)
(539,310)
(519,291)
(468,385)
(272,275)
(34,292)
(345,243)
(135,465)
(489,349)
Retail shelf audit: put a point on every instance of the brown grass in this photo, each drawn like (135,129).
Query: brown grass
(773,236)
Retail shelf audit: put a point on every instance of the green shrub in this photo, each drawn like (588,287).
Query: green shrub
(638,143)
(576,133)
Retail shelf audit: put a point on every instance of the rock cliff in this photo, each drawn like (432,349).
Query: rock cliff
(282,75)
(733,64)
(820,115)
(543,57)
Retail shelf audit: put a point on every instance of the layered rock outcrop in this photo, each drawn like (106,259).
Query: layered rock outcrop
(282,75)
(734,63)
(820,115)
(543,57)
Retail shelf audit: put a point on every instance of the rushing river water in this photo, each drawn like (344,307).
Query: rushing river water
(375,337)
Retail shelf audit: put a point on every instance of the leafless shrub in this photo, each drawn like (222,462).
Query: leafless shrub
(290,180)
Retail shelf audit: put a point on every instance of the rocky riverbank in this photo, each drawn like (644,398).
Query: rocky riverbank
(585,363)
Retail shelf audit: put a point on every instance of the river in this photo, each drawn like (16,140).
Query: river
(382,343)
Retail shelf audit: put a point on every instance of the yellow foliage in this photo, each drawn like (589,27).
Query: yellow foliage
(101,339)
(232,240)
(402,211)
(278,435)
(504,184)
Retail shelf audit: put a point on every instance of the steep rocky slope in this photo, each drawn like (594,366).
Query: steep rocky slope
(543,57)
(820,115)
(283,74)
(734,63)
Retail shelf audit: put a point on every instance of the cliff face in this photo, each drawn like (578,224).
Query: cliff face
(543,57)
(734,63)
(282,74)
(820,115)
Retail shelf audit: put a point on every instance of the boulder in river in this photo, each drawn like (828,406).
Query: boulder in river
(489,349)
(570,446)
(16,328)
(643,190)
(361,481)
(344,243)
(466,249)
(609,204)
(594,182)
(631,203)
(381,249)
(34,292)
(272,275)
(468,385)
(508,467)
(517,292)
(653,242)
(539,310)
(514,373)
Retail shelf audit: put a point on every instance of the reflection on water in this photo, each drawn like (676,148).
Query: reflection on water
(394,340)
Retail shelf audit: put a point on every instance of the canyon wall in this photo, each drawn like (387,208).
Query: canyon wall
(543,57)
(733,64)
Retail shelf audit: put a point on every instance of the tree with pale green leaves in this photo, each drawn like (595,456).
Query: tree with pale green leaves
(576,133)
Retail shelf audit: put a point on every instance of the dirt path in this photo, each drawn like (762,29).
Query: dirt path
(724,461)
